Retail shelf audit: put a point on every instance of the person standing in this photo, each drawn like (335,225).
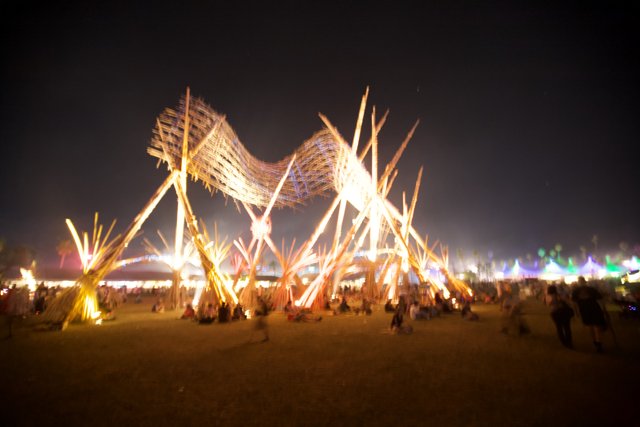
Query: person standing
(561,314)
(589,301)
(512,321)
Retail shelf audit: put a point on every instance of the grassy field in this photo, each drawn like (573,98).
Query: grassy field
(146,369)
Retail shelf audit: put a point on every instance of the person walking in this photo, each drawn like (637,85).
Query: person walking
(591,311)
(261,319)
(561,314)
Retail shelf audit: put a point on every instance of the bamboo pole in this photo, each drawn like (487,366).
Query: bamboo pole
(180,214)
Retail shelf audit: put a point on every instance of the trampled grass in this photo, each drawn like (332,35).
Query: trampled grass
(146,369)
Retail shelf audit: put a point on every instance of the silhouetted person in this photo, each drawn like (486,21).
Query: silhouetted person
(238,313)
(388,307)
(466,312)
(288,308)
(397,323)
(397,319)
(561,314)
(209,315)
(223,313)
(366,307)
(344,307)
(588,300)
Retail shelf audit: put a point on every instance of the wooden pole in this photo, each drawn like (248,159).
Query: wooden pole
(179,237)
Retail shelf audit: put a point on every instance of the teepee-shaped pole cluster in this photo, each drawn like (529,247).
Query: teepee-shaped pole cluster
(79,302)
(260,230)
(222,292)
(370,200)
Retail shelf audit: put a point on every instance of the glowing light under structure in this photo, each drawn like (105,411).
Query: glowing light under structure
(218,250)
(292,262)
(176,263)
(28,278)
(260,230)
(81,301)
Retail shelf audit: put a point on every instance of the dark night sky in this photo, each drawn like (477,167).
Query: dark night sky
(528,111)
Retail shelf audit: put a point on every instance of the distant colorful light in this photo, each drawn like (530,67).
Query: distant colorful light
(632,263)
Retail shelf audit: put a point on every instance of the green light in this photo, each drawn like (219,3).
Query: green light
(611,267)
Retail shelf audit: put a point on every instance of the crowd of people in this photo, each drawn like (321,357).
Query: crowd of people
(581,300)
(208,313)
(19,300)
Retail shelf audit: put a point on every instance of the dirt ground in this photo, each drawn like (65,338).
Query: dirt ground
(148,369)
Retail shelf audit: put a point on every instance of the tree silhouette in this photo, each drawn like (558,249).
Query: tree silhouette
(460,257)
(15,256)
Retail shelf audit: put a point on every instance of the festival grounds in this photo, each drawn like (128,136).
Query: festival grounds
(148,369)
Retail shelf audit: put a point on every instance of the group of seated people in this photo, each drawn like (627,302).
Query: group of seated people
(344,307)
(299,314)
(415,310)
(426,312)
(208,314)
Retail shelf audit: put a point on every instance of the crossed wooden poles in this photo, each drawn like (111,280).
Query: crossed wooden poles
(376,218)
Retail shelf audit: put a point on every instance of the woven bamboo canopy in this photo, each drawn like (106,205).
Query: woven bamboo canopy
(223,164)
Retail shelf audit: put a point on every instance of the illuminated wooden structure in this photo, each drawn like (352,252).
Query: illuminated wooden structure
(195,140)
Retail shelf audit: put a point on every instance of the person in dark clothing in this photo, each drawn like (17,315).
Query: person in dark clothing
(344,307)
(593,315)
(402,304)
(238,313)
(397,323)
(467,313)
(388,307)
(224,313)
(366,307)
(208,316)
(561,314)
(288,308)
(397,319)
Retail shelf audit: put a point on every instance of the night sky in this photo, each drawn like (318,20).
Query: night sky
(528,111)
